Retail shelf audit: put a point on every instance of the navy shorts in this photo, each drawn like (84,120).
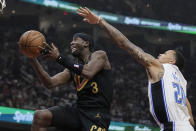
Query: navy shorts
(74,119)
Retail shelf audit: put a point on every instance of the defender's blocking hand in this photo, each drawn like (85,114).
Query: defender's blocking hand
(88,15)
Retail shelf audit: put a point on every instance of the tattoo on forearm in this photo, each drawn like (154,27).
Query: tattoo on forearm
(124,43)
(140,55)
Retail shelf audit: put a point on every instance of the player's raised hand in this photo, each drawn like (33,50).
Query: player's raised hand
(88,15)
(54,52)
(50,51)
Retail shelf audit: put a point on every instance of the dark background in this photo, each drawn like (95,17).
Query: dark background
(20,87)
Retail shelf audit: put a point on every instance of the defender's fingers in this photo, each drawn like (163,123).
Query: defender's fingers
(86,20)
(81,11)
(82,14)
(84,10)
(87,9)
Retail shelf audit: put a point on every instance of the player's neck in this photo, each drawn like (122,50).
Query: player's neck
(85,56)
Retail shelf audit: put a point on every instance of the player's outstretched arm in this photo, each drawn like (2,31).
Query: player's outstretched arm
(190,113)
(137,53)
(50,82)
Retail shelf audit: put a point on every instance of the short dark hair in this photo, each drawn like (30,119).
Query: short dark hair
(86,37)
(179,59)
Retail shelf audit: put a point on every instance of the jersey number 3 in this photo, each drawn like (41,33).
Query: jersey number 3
(179,94)
(94,87)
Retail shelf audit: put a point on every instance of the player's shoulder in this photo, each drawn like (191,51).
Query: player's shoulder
(167,65)
(99,53)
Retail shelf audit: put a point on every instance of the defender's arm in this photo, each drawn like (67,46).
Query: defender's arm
(154,67)
(137,53)
(190,113)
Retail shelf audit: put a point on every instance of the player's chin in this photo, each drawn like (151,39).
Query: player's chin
(75,53)
(161,61)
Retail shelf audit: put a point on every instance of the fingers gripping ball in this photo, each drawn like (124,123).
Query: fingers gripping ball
(31,43)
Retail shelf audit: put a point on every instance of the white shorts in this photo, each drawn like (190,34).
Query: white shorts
(180,126)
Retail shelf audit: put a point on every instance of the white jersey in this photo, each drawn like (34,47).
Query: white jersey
(167,98)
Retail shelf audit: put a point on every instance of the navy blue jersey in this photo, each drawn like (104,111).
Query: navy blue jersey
(95,93)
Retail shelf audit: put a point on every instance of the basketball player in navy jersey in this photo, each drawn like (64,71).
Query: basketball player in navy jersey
(167,86)
(91,76)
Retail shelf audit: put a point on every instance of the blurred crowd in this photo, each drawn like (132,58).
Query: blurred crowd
(21,88)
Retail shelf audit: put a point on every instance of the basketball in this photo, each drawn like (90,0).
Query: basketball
(30,43)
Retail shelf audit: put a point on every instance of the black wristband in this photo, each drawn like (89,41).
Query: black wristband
(69,65)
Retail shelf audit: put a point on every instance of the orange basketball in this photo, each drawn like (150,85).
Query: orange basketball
(30,43)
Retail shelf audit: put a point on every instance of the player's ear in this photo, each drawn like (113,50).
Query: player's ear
(172,61)
(86,44)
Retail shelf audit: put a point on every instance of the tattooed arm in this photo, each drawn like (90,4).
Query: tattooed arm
(143,58)
(136,52)
(153,66)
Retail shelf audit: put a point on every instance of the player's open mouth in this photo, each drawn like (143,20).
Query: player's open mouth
(73,49)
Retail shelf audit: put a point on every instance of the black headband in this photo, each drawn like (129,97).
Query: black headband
(85,37)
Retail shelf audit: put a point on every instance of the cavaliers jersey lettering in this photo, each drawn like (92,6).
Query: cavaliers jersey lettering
(167,99)
(80,83)
(95,93)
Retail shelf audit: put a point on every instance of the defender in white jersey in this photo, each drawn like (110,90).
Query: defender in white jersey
(167,100)
(167,86)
